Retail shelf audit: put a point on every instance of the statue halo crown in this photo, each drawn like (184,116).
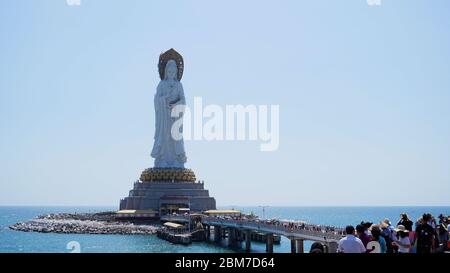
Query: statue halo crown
(170,54)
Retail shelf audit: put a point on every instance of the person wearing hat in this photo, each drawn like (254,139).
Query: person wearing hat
(402,240)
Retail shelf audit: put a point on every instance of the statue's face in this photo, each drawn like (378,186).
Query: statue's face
(171,70)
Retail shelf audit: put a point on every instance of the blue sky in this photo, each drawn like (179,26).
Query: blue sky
(364,95)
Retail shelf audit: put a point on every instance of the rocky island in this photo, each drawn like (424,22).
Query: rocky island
(83,223)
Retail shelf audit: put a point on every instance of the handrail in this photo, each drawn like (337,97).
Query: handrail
(319,235)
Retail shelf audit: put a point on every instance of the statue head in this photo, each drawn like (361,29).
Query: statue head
(174,57)
(171,71)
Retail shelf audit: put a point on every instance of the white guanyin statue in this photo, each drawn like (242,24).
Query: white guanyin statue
(168,151)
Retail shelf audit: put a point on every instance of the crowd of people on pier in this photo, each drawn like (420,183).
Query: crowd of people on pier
(426,235)
(286,224)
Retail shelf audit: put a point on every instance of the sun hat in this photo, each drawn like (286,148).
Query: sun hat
(400,228)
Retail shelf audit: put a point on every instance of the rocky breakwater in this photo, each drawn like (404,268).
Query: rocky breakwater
(82,223)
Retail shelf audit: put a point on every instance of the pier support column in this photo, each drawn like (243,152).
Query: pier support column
(232,232)
(217,234)
(208,232)
(248,240)
(235,233)
(300,246)
(239,235)
(293,246)
(269,243)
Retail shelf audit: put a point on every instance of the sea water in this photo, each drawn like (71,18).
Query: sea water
(17,241)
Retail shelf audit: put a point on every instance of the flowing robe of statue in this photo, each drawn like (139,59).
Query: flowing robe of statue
(168,151)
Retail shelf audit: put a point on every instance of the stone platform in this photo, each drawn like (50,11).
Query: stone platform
(166,190)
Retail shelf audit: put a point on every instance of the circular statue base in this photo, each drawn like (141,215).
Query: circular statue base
(168,174)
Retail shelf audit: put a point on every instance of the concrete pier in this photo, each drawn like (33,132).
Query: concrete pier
(240,230)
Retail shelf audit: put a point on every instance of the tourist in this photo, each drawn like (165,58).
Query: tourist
(432,221)
(442,233)
(448,223)
(361,232)
(448,230)
(405,221)
(388,234)
(402,240)
(424,235)
(350,243)
(367,226)
(375,230)
(408,224)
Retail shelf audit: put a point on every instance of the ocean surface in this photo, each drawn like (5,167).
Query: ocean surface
(16,241)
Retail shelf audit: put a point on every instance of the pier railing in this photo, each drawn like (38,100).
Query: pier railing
(284,229)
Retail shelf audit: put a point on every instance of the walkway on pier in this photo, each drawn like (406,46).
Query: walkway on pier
(296,233)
